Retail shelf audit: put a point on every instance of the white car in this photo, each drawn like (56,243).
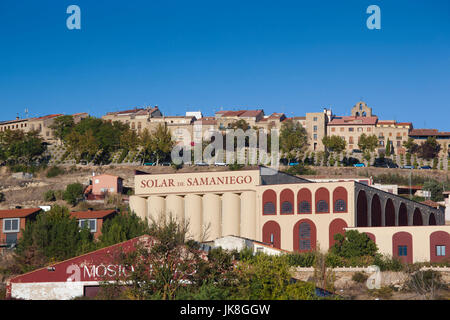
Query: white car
(220,164)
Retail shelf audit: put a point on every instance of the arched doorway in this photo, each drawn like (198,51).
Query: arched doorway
(402,247)
(361,207)
(304,236)
(376,211)
(272,233)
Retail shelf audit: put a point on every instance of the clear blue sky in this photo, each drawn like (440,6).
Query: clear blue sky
(281,56)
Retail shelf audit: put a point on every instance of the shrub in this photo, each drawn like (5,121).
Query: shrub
(387,263)
(425,283)
(73,193)
(59,194)
(384,293)
(360,277)
(49,195)
(304,260)
(54,171)
(353,244)
(300,169)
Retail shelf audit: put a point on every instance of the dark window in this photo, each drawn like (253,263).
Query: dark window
(440,251)
(286,207)
(322,206)
(304,207)
(402,251)
(305,236)
(340,206)
(269,208)
(11,225)
(11,238)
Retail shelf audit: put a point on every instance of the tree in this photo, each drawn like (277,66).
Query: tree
(436,189)
(240,124)
(293,139)
(73,193)
(353,244)
(429,149)
(334,143)
(368,143)
(122,227)
(62,126)
(19,147)
(53,236)
(158,143)
(388,148)
(411,146)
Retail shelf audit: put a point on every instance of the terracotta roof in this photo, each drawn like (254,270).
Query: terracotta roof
(240,113)
(431,203)
(394,123)
(427,132)
(206,120)
(92,214)
(353,120)
(48,117)
(18,213)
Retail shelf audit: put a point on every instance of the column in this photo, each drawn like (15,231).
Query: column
(212,212)
(231,207)
(248,214)
(138,205)
(175,207)
(193,216)
(155,208)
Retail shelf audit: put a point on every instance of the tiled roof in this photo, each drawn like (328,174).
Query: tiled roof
(50,116)
(240,113)
(353,120)
(206,120)
(431,203)
(18,213)
(92,214)
(427,132)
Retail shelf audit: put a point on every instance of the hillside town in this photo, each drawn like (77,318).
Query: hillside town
(352,191)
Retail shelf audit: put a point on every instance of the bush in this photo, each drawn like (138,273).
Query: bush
(387,263)
(304,260)
(73,193)
(59,194)
(384,293)
(300,169)
(54,171)
(49,195)
(360,277)
(353,244)
(425,283)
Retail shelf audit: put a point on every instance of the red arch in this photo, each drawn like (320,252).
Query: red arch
(336,226)
(402,239)
(296,235)
(322,194)
(371,236)
(340,193)
(287,195)
(439,238)
(361,209)
(304,195)
(269,228)
(269,196)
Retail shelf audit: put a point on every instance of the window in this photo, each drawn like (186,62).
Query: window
(322,206)
(315,119)
(340,206)
(269,208)
(440,251)
(286,207)
(360,129)
(350,129)
(368,129)
(333,129)
(11,238)
(315,128)
(11,225)
(97,181)
(271,238)
(304,207)
(89,223)
(402,251)
(342,129)
(315,136)
(305,236)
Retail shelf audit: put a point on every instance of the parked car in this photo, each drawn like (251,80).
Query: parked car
(425,168)
(201,164)
(408,167)
(220,164)
(149,164)
(356,151)
(294,163)
(359,165)
(165,163)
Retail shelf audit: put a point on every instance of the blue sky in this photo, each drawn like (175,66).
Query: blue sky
(281,56)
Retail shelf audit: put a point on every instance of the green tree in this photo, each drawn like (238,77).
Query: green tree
(53,236)
(62,126)
(411,146)
(122,227)
(353,244)
(73,193)
(293,139)
(334,143)
(388,148)
(368,143)
(436,189)
(158,143)
(19,147)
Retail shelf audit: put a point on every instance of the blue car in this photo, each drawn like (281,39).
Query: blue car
(359,165)
(294,163)
(408,167)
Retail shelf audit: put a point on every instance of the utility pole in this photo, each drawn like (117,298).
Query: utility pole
(410,197)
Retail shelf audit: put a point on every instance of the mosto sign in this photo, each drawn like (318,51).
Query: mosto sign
(196,182)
